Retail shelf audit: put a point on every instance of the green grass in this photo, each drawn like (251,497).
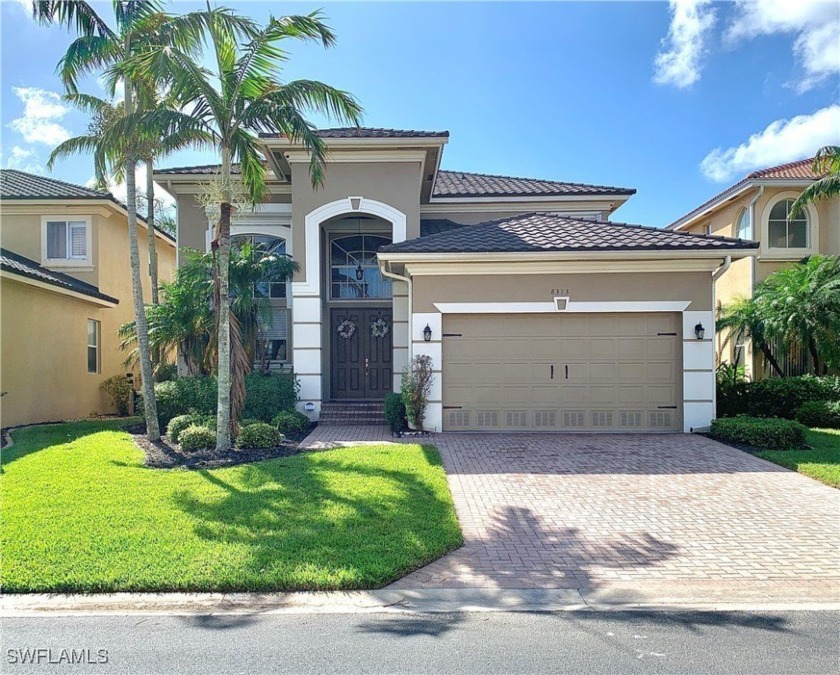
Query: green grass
(80,512)
(821,463)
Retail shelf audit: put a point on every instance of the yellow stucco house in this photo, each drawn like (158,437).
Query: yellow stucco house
(65,288)
(757,208)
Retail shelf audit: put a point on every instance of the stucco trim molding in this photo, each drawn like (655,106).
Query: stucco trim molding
(552,307)
(312,234)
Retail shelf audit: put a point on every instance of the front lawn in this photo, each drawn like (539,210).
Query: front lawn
(80,512)
(822,463)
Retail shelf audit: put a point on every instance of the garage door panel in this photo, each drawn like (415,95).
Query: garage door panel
(611,372)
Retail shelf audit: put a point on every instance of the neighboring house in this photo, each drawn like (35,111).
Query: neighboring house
(537,311)
(757,208)
(66,289)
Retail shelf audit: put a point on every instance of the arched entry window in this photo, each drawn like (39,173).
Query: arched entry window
(784,231)
(272,342)
(354,271)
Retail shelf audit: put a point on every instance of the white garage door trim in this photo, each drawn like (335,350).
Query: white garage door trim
(698,364)
(571,306)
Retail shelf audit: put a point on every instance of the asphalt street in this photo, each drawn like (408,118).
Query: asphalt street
(562,642)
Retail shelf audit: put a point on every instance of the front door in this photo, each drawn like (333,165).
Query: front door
(360,348)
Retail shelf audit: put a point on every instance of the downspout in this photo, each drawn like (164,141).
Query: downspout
(393,275)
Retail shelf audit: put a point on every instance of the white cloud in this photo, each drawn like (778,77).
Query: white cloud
(782,141)
(42,110)
(815,23)
(24,160)
(679,60)
(119,190)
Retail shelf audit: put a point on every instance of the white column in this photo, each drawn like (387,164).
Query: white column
(306,351)
(434,349)
(698,371)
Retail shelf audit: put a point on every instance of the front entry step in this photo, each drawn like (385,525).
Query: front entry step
(365,413)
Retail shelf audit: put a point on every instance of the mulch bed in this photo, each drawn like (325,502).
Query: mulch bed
(167,455)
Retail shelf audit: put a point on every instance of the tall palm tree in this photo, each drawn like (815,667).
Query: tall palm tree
(236,99)
(800,306)
(826,164)
(97,47)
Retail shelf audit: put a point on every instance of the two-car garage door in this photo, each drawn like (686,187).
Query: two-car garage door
(572,372)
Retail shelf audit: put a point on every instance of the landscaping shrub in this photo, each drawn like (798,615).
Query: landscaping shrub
(180,422)
(265,395)
(118,390)
(248,421)
(731,390)
(290,422)
(166,372)
(395,412)
(195,438)
(784,396)
(759,432)
(259,435)
(820,414)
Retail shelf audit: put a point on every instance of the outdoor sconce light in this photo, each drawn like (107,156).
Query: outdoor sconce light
(699,331)
(309,406)
(427,333)
(360,273)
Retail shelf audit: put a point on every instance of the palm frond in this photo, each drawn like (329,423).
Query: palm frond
(87,54)
(71,14)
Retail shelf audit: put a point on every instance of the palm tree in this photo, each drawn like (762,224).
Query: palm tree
(800,306)
(743,319)
(240,97)
(826,164)
(99,46)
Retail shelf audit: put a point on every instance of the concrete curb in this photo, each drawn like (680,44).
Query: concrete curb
(444,600)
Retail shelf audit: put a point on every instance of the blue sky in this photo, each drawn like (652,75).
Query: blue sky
(675,99)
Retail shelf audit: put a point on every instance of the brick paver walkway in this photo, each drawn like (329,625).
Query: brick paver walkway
(582,511)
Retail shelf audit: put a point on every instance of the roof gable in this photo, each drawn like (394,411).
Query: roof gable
(535,232)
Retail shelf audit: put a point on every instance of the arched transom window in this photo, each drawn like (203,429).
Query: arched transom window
(742,225)
(354,271)
(784,231)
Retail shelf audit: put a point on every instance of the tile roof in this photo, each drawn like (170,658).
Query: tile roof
(18,264)
(532,232)
(429,226)
(371,132)
(799,170)
(21,185)
(200,170)
(464,184)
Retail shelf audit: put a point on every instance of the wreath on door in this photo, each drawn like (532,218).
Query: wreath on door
(346,329)
(379,328)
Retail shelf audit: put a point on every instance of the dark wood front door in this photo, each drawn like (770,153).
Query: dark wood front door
(360,354)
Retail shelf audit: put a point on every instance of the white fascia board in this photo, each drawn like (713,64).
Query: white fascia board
(572,307)
(361,142)
(362,156)
(8,274)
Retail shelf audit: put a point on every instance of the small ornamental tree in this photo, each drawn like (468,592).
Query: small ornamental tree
(415,389)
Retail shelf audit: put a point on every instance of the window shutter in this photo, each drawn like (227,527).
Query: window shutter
(78,240)
(56,239)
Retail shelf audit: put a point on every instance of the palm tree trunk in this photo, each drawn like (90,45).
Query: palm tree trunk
(768,355)
(150,219)
(224,371)
(815,357)
(146,377)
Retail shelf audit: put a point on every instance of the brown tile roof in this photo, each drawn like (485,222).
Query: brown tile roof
(464,184)
(799,170)
(532,232)
(18,264)
(21,185)
(371,132)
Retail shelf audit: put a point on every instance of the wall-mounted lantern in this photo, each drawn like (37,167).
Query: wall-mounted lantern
(360,273)
(699,331)
(427,333)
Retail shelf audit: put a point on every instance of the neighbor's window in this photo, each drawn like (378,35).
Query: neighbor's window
(352,257)
(66,240)
(92,346)
(742,225)
(786,232)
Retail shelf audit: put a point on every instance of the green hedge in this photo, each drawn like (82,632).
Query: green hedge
(775,396)
(197,438)
(257,436)
(759,432)
(395,412)
(290,422)
(265,396)
(820,414)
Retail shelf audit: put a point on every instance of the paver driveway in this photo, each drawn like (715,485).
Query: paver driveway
(578,511)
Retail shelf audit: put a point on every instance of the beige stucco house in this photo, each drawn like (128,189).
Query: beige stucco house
(757,208)
(537,310)
(65,288)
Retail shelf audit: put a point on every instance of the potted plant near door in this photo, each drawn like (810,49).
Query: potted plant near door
(415,389)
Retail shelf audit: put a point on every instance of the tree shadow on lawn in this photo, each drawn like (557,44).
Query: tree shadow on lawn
(313,522)
(31,439)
